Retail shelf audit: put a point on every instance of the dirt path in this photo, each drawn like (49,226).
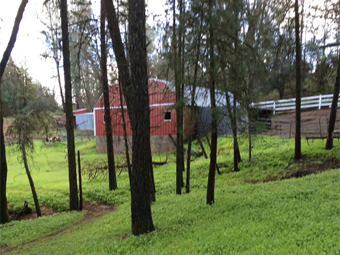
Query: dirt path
(94,211)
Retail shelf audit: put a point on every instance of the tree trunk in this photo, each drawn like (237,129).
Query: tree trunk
(237,154)
(179,108)
(54,37)
(4,217)
(68,105)
(192,107)
(106,93)
(213,151)
(137,100)
(232,117)
(249,133)
(298,84)
(80,184)
(30,179)
(142,177)
(127,155)
(59,83)
(332,118)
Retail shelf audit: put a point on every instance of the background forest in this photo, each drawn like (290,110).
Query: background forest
(273,194)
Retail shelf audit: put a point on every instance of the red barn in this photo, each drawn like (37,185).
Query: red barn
(162,118)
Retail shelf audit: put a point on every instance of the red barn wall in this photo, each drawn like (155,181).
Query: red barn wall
(161,100)
(158,126)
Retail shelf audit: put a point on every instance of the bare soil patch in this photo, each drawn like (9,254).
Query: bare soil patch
(94,210)
(27,214)
(304,169)
(3,246)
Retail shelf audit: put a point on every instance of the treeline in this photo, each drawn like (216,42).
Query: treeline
(18,88)
(255,42)
(247,50)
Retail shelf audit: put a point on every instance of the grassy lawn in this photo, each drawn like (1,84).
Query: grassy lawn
(293,216)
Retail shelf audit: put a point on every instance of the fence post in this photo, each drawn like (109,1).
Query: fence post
(80,184)
(320,100)
(274,106)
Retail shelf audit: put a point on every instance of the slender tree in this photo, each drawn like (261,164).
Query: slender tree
(232,116)
(298,84)
(105,87)
(23,127)
(192,104)
(332,118)
(4,217)
(135,90)
(68,107)
(213,151)
(127,155)
(177,53)
(52,35)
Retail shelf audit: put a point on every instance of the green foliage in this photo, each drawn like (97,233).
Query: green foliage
(18,87)
(296,216)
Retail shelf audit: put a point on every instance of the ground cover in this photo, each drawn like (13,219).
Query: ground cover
(294,216)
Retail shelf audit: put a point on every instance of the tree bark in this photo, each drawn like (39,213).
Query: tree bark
(80,184)
(237,155)
(233,121)
(332,118)
(69,112)
(213,151)
(249,133)
(59,83)
(298,84)
(30,179)
(192,107)
(179,108)
(127,155)
(4,217)
(106,93)
(142,177)
(135,90)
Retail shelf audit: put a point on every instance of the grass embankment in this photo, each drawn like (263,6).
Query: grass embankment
(295,216)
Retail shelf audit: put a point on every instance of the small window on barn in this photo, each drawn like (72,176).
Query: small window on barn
(167,116)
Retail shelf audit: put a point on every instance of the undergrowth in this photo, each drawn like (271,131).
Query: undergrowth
(295,216)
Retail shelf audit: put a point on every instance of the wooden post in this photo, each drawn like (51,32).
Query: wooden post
(80,186)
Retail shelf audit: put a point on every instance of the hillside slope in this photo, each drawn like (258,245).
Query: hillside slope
(293,216)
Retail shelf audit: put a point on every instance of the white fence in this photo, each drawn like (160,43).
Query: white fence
(289,104)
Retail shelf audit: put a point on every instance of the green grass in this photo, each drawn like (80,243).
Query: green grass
(295,216)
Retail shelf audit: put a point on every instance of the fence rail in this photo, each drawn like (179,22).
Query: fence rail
(289,104)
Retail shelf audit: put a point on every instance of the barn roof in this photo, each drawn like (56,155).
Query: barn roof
(202,95)
(79,111)
(163,87)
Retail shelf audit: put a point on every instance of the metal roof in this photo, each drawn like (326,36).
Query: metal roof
(202,95)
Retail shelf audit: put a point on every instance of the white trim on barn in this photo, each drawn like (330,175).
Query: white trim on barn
(125,107)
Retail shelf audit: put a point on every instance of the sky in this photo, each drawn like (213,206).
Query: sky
(30,44)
